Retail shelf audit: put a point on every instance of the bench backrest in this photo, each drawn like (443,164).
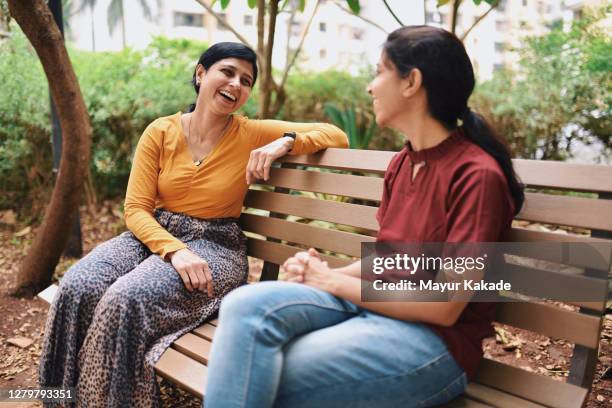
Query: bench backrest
(329,201)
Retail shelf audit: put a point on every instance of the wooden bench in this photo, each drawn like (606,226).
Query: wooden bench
(335,212)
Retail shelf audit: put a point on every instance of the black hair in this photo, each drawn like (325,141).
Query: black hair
(221,51)
(448,79)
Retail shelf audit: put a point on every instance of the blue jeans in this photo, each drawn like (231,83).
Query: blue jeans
(281,344)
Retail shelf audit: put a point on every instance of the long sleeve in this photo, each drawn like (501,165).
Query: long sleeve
(142,193)
(310,137)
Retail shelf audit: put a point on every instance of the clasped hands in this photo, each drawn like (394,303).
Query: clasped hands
(309,269)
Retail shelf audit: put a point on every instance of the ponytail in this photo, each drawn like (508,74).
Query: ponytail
(477,130)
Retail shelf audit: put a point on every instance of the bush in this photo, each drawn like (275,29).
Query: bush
(25,149)
(124,92)
(559,95)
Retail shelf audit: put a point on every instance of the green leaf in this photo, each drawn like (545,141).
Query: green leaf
(442,2)
(302,5)
(224,4)
(354,6)
(252,3)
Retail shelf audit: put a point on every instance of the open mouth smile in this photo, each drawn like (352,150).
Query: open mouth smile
(227,95)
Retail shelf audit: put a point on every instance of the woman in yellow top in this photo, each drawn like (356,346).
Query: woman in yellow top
(122,305)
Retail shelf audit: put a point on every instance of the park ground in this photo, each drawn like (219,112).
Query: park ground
(23,320)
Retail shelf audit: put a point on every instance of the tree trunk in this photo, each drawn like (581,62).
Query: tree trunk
(4,24)
(123,40)
(93,29)
(267,85)
(37,23)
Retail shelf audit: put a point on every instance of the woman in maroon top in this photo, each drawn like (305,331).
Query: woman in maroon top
(312,341)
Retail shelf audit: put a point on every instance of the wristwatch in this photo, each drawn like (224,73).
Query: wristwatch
(291,135)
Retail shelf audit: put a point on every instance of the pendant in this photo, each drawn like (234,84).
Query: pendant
(197,162)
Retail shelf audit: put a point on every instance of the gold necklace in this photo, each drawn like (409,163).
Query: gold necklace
(227,122)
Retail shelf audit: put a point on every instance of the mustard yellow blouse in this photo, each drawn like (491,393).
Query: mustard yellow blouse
(164,175)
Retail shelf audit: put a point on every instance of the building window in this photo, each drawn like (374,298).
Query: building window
(248,20)
(322,27)
(220,26)
(296,28)
(524,3)
(322,53)
(188,19)
(500,47)
(357,34)
(501,25)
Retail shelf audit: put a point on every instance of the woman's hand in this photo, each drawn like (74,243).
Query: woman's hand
(261,159)
(309,269)
(193,270)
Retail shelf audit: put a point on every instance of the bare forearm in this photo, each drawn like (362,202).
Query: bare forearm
(353,269)
(348,286)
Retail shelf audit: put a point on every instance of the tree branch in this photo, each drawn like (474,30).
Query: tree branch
(455,12)
(478,20)
(392,13)
(367,20)
(225,24)
(301,44)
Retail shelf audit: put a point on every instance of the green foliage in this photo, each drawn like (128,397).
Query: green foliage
(126,91)
(354,125)
(560,93)
(25,151)
(123,93)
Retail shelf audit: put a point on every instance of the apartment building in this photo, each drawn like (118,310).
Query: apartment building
(336,38)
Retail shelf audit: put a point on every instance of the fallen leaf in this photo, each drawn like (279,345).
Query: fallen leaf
(600,398)
(21,342)
(23,232)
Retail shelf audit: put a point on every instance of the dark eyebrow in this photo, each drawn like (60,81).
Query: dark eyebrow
(236,69)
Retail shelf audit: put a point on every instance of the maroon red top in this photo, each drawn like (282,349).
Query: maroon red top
(459,195)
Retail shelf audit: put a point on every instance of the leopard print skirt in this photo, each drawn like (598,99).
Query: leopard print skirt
(121,306)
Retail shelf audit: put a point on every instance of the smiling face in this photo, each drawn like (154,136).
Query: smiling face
(225,86)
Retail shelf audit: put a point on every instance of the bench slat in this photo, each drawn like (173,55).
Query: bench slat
(337,241)
(370,161)
(565,210)
(567,286)
(278,253)
(551,321)
(206,331)
(362,187)
(534,173)
(354,215)
(465,402)
(194,347)
(533,387)
(185,372)
(598,255)
(564,176)
(496,398)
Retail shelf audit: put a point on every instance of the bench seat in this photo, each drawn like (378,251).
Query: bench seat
(329,200)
